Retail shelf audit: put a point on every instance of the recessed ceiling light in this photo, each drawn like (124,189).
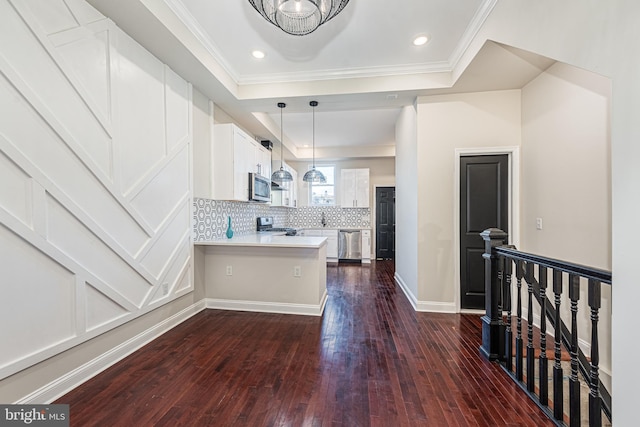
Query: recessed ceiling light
(420,40)
(258,54)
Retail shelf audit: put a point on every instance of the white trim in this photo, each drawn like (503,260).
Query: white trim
(269,307)
(336,195)
(412,299)
(481,15)
(76,377)
(470,311)
(424,306)
(374,215)
(436,307)
(189,21)
(514,203)
(206,42)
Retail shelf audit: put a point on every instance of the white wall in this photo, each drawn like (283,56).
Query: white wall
(446,123)
(566,180)
(95,191)
(600,37)
(407,203)
(566,166)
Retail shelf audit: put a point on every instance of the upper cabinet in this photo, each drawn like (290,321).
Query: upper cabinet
(232,161)
(288,194)
(234,154)
(223,156)
(261,160)
(354,188)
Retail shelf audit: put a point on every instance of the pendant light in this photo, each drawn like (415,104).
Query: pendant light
(314,175)
(298,17)
(281,175)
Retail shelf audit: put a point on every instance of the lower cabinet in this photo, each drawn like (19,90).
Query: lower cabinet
(332,241)
(366,246)
(332,244)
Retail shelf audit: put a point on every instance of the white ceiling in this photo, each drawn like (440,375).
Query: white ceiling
(369,37)
(361,66)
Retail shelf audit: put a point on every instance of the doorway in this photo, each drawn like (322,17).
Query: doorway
(484,203)
(385,222)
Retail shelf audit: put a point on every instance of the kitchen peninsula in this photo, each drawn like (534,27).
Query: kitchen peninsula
(267,273)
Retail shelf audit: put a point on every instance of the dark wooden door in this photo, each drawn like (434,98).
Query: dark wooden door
(386,222)
(484,203)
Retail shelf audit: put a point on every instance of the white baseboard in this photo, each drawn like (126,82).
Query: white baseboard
(436,307)
(412,299)
(269,307)
(424,306)
(73,379)
(472,311)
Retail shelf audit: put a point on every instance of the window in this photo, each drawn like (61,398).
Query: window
(323,194)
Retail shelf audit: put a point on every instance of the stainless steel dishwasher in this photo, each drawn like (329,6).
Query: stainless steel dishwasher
(349,245)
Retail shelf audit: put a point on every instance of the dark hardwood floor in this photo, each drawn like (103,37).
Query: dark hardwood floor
(369,361)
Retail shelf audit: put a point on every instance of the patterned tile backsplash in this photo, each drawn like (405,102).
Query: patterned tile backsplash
(210,217)
(335,216)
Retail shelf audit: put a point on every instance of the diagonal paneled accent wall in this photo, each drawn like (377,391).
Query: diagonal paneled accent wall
(95,187)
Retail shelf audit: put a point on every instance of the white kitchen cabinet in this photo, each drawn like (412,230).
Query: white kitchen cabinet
(292,202)
(332,244)
(231,163)
(332,241)
(366,246)
(202,146)
(234,155)
(288,196)
(354,188)
(261,160)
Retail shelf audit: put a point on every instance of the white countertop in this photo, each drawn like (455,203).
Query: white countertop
(269,240)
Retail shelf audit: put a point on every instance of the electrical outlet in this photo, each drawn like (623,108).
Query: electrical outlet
(538,223)
(229,270)
(297,271)
(165,288)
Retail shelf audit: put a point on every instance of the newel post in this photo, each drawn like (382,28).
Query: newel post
(492,326)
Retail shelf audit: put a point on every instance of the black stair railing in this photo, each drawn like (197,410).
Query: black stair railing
(503,263)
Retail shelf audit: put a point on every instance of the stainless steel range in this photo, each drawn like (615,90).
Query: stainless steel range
(265,224)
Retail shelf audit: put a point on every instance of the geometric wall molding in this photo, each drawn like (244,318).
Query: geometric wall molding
(95,180)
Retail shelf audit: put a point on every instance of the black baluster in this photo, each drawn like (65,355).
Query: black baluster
(558,389)
(543,363)
(508,334)
(574,382)
(500,300)
(595,416)
(528,276)
(519,273)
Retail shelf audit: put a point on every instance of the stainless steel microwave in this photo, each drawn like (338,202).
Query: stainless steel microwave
(259,188)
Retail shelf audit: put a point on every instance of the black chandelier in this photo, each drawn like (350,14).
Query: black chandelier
(298,17)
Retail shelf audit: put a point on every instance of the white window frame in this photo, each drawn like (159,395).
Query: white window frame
(311,185)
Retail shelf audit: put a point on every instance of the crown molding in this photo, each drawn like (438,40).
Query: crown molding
(352,73)
(183,14)
(470,33)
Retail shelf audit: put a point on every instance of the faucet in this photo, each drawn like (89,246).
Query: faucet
(323,220)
